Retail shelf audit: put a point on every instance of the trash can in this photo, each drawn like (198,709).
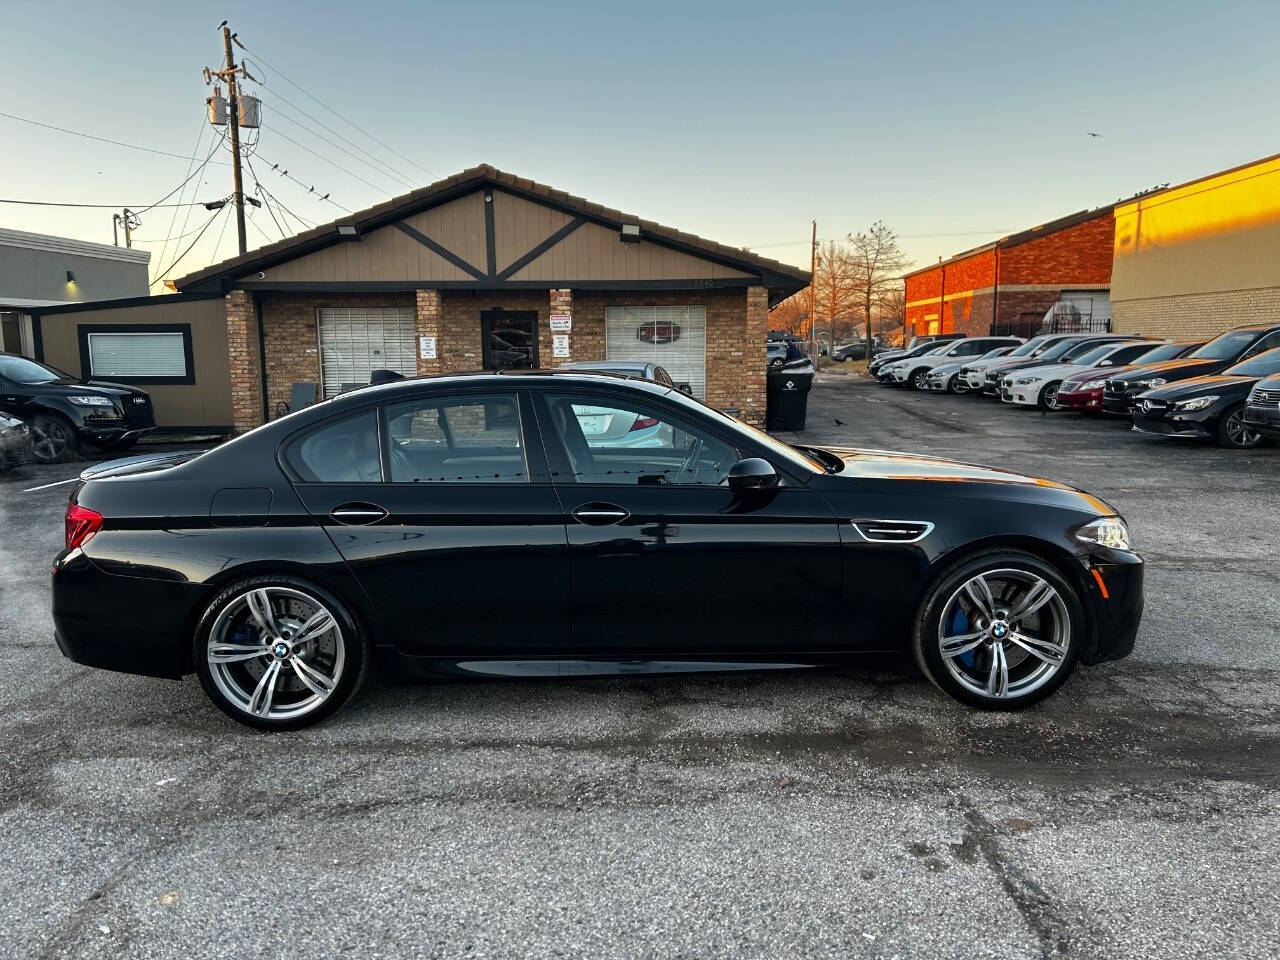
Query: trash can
(787,394)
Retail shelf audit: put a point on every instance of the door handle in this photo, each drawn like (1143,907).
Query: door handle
(357,513)
(600,514)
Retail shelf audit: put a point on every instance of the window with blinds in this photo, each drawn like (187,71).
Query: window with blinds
(673,337)
(135,355)
(355,341)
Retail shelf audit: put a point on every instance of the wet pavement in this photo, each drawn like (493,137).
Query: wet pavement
(836,813)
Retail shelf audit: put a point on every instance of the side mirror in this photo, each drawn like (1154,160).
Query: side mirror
(753,473)
(1106,363)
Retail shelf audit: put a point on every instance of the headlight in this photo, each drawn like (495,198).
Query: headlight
(1093,385)
(1199,403)
(1153,382)
(1023,381)
(1105,532)
(88,400)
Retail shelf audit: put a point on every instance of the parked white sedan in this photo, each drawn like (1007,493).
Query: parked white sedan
(1038,386)
(915,371)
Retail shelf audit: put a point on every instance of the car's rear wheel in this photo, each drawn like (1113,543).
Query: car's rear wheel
(1000,630)
(279,653)
(1233,432)
(53,439)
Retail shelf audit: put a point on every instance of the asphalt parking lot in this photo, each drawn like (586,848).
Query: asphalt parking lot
(832,814)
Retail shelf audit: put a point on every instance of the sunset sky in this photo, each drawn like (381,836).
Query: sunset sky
(737,121)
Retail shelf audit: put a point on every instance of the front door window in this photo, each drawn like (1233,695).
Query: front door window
(510,339)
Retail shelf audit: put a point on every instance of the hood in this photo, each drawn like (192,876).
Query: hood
(1176,369)
(892,466)
(1048,371)
(142,463)
(1200,386)
(951,366)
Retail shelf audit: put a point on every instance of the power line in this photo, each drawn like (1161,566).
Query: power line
(258,188)
(207,223)
(97,206)
(89,136)
(331,163)
(386,167)
(350,122)
(174,219)
(310,189)
(181,236)
(191,174)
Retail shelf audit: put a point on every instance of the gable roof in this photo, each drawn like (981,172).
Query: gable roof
(782,279)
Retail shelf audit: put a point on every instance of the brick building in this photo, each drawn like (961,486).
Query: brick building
(1008,286)
(485,270)
(1199,258)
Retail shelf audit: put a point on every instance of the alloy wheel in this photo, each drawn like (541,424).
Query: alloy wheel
(48,440)
(276,653)
(1238,432)
(1051,396)
(1004,633)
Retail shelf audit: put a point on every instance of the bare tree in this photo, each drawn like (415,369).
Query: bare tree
(889,312)
(791,315)
(879,263)
(836,289)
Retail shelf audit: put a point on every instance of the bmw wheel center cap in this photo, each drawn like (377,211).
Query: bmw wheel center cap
(280,650)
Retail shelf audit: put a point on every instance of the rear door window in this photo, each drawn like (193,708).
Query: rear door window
(470,439)
(341,451)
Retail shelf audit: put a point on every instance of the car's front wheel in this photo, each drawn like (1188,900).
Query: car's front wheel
(53,439)
(1000,630)
(1049,396)
(279,653)
(917,378)
(1234,433)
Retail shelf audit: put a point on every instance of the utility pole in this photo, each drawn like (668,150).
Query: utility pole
(813,293)
(230,73)
(127,219)
(234,118)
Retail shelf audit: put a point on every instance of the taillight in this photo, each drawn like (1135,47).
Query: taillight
(644,423)
(82,523)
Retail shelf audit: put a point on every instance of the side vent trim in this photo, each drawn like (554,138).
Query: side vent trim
(892,531)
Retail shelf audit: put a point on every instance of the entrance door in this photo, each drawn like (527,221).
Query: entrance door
(510,339)
(668,563)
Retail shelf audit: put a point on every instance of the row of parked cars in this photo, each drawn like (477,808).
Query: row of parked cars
(1226,389)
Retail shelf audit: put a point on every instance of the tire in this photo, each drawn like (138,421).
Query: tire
(1049,396)
(917,378)
(335,661)
(53,439)
(956,385)
(968,673)
(1233,433)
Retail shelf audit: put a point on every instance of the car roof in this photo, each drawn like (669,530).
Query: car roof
(607,365)
(503,378)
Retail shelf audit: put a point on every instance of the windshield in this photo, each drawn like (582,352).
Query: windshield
(1059,349)
(1029,348)
(1168,351)
(773,445)
(1263,365)
(1087,356)
(22,370)
(1226,346)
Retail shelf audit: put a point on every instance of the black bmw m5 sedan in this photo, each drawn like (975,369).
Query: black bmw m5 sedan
(561,524)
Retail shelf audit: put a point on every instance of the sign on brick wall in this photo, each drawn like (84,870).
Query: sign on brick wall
(561,322)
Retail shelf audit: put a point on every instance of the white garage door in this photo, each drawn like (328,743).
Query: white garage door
(355,341)
(673,337)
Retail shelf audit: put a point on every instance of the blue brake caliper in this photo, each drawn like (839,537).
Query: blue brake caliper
(958,623)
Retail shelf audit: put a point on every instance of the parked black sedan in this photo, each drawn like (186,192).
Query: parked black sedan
(494,525)
(64,411)
(1207,407)
(1262,409)
(1120,393)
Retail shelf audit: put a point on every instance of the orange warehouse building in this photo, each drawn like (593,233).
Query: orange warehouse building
(1008,286)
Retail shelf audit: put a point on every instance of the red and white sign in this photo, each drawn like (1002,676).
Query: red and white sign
(561,322)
